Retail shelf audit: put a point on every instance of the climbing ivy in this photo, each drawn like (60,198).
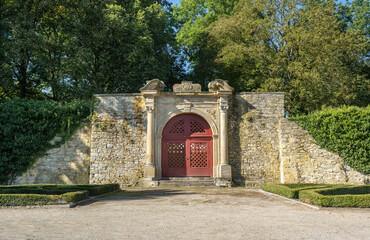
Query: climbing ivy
(345,131)
(27,128)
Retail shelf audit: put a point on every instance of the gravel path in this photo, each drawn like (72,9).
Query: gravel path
(213,213)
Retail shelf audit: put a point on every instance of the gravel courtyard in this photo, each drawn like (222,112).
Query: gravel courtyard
(192,213)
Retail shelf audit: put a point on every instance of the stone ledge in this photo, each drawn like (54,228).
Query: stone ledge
(259,93)
(116,94)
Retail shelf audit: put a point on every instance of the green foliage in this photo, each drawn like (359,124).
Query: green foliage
(345,131)
(357,14)
(102,189)
(45,194)
(294,46)
(73,197)
(325,195)
(357,190)
(57,189)
(358,196)
(299,47)
(27,127)
(291,190)
(63,49)
(193,18)
(27,199)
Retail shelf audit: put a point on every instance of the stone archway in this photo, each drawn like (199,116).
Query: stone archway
(186,98)
(187,144)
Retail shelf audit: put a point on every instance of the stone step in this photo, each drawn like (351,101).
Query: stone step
(187,182)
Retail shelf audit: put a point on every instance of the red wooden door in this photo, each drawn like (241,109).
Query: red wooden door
(187,147)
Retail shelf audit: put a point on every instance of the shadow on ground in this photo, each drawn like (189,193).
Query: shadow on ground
(131,194)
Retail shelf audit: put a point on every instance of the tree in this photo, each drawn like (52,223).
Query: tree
(19,39)
(293,46)
(357,14)
(193,18)
(34,47)
(120,45)
(68,49)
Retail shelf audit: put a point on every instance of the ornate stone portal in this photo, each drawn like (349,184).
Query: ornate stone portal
(188,98)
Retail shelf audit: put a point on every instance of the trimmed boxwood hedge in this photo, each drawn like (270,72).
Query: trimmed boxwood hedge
(73,197)
(57,189)
(291,190)
(357,196)
(28,199)
(47,194)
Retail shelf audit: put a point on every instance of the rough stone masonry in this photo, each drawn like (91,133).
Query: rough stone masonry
(262,145)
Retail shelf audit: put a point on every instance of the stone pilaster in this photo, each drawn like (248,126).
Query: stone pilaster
(149,91)
(225,168)
(149,170)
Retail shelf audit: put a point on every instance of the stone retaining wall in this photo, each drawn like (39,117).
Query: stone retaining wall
(253,137)
(67,164)
(302,161)
(263,147)
(118,140)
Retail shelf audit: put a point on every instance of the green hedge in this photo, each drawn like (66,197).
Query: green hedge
(27,127)
(291,190)
(28,199)
(57,189)
(348,190)
(345,131)
(73,197)
(358,196)
(46,194)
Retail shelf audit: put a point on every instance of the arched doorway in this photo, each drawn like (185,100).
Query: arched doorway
(187,147)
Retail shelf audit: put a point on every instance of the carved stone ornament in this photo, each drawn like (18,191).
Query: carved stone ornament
(186,87)
(219,85)
(150,108)
(155,84)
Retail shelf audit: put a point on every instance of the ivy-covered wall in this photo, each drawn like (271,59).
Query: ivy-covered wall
(28,127)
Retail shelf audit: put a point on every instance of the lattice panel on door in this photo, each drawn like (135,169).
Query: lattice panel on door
(176,155)
(198,155)
(178,127)
(196,127)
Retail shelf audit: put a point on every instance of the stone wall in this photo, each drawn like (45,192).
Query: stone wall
(253,137)
(118,139)
(302,161)
(263,145)
(67,164)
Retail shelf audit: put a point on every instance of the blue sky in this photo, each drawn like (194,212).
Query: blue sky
(174,1)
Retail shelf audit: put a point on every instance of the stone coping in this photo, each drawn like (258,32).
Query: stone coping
(185,94)
(259,93)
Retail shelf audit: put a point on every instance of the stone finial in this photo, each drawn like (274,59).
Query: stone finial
(186,87)
(153,85)
(219,85)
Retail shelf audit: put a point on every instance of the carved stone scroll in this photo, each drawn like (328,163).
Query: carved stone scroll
(155,84)
(186,87)
(219,85)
